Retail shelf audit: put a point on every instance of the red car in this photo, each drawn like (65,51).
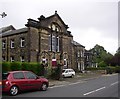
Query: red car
(15,81)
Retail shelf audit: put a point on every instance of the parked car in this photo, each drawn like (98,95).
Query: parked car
(68,73)
(15,81)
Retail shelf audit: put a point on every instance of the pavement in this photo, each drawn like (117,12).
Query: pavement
(79,77)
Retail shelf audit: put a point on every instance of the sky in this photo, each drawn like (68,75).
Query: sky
(91,22)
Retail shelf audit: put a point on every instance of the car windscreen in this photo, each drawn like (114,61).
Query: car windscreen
(4,76)
(63,71)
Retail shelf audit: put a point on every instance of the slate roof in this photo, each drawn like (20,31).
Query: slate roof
(77,44)
(12,32)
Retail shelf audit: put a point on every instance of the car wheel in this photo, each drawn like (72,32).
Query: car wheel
(63,76)
(44,87)
(72,76)
(14,90)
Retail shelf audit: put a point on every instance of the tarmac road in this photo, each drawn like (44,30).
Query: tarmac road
(104,86)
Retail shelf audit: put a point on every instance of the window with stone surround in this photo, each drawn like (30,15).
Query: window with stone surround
(22,58)
(12,59)
(53,43)
(4,44)
(22,42)
(12,44)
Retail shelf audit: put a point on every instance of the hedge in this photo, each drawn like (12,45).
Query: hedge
(14,66)
(6,66)
(109,69)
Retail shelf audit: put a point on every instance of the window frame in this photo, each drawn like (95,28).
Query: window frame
(35,76)
(12,43)
(22,42)
(15,74)
(22,58)
(4,44)
(12,59)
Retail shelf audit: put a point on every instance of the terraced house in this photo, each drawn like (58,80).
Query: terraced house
(45,40)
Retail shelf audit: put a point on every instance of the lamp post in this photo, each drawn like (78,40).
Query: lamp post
(3,14)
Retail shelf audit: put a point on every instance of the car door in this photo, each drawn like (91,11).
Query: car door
(32,80)
(66,73)
(19,80)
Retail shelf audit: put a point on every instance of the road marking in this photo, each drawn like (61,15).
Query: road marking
(93,91)
(68,84)
(114,83)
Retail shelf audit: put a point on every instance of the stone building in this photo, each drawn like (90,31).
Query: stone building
(45,40)
(78,56)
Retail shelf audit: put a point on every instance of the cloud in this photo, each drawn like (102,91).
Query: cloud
(90,22)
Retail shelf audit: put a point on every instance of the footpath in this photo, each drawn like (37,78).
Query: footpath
(79,77)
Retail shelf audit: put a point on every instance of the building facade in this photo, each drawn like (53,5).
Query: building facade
(45,40)
(78,56)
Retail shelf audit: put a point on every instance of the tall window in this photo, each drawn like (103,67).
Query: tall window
(53,43)
(3,44)
(22,42)
(78,54)
(53,38)
(57,43)
(12,45)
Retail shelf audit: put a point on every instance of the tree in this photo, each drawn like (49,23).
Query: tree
(115,61)
(101,55)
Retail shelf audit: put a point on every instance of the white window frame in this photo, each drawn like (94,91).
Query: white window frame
(58,47)
(12,59)
(22,58)
(3,44)
(78,54)
(22,41)
(12,44)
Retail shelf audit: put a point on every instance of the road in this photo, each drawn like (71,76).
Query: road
(104,86)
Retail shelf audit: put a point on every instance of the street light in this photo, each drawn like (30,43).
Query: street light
(3,14)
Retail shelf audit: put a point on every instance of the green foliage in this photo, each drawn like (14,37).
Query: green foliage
(55,73)
(117,69)
(25,66)
(94,68)
(102,64)
(101,56)
(6,66)
(34,67)
(15,66)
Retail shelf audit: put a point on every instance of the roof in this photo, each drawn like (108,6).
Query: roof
(77,44)
(7,28)
(42,18)
(14,32)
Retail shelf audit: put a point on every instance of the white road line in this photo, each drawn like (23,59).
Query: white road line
(93,91)
(114,83)
(67,84)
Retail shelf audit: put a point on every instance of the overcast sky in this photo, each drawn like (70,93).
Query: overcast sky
(91,22)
